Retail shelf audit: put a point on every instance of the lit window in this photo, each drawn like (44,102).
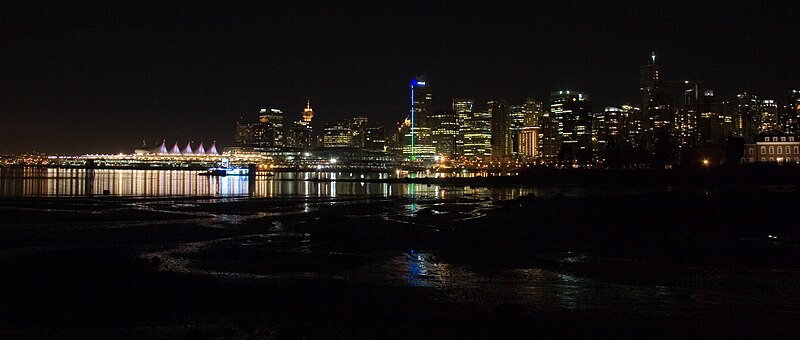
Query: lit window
(772,159)
(774,139)
(766,139)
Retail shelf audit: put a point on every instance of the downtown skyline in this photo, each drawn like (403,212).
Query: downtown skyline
(80,75)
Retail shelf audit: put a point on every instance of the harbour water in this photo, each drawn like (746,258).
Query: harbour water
(60,182)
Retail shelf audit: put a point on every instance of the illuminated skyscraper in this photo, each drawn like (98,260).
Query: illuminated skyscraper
(444,132)
(517,116)
(274,128)
(573,113)
(656,100)
(790,116)
(747,117)
(477,132)
(769,116)
(462,108)
(501,129)
(338,134)
(421,105)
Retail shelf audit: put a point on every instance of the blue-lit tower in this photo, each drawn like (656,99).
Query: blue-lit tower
(420,111)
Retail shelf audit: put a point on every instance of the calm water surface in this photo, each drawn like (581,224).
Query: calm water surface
(53,182)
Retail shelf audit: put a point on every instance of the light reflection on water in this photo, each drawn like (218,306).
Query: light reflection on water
(38,182)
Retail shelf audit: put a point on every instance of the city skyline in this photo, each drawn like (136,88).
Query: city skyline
(81,74)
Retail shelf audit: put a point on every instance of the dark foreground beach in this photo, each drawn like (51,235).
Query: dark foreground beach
(697,263)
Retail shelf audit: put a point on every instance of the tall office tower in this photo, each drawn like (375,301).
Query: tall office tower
(374,137)
(573,112)
(610,125)
(300,134)
(501,129)
(634,125)
(462,108)
(253,134)
(421,106)
(790,116)
(517,113)
(445,132)
(549,138)
(477,132)
(528,143)
(769,116)
(532,110)
(273,117)
(656,100)
(747,116)
(338,134)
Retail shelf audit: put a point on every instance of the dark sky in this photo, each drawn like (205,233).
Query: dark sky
(79,77)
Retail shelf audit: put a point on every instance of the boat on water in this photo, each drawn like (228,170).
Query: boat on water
(225,169)
(226,172)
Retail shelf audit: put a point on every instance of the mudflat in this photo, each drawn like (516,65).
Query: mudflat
(664,264)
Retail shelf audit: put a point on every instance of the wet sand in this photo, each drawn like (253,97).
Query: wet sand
(676,263)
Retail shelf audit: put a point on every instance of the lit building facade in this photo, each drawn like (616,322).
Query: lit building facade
(338,134)
(462,107)
(477,132)
(528,143)
(445,132)
(573,113)
(772,149)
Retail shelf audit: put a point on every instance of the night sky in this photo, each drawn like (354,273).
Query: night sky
(79,77)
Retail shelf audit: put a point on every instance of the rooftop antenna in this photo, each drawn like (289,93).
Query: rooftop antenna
(653,55)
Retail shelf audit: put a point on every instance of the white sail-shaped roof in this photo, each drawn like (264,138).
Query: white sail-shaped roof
(188,149)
